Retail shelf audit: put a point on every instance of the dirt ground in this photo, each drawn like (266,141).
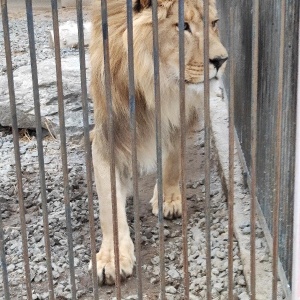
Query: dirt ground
(81,240)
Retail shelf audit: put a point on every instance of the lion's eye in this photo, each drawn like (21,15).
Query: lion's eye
(186,26)
(214,23)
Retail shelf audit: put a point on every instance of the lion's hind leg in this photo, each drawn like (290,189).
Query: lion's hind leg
(172,205)
(106,258)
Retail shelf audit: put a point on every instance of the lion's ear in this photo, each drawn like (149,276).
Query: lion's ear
(141,4)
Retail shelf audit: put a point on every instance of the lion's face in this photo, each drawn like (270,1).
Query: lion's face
(168,39)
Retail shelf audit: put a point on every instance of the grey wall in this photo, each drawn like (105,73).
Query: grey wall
(269,32)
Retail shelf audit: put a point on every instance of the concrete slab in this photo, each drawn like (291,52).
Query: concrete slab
(242,199)
(46,4)
(40,4)
(68,34)
(72,3)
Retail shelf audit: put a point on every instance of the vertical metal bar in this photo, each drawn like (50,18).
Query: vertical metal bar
(207,146)
(63,145)
(36,97)
(132,107)
(3,260)
(183,147)
(87,145)
(2,241)
(296,234)
(276,204)
(16,145)
(231,164)
(158,148)
(111,141)
(254,89)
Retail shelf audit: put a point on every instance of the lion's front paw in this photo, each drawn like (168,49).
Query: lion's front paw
(106,261)
(172,206)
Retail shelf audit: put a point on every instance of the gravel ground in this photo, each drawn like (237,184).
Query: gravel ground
(150,244)
(19,37)
(79,205)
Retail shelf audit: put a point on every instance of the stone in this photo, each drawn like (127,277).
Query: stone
(68,34)
(48,97)
(246,230)
(174,274)
(220,254)
(132,297)
(244,296)
(171,290)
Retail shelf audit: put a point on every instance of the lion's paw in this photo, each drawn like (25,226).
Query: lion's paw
(106,262)
(172,206)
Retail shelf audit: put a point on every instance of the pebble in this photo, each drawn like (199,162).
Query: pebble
(170,289)
(244,296)
(246,230)
(220,254)
(174,274)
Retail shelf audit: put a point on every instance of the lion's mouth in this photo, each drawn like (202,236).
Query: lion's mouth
(200,82)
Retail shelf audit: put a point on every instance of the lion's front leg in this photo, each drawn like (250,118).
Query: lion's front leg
(172,206)
(105,257)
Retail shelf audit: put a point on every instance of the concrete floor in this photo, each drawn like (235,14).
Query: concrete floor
(45,3)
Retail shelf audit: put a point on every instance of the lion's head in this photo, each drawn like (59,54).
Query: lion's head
(143,48)
(168,39)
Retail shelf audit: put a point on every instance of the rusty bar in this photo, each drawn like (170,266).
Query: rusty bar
(3,260)
(132,107)
(63,145)
(296,225)
(111,142)
(39,138)
(158,149)
(87,145)
(278,156)
(2,240)
(207,146)
(254,89)
(231,165)
(183,148)
(16,145)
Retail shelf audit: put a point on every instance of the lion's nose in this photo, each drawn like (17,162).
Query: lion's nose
(218,62)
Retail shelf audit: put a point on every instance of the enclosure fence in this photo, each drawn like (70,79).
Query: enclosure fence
(185,282)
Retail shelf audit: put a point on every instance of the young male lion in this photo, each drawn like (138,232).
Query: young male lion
(145,118)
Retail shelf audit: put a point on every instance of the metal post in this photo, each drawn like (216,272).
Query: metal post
(63,146)
(87,145)
(207,148)
(39,138)
(254,85)
(111,138)
(16,146)
(183,148)
(132,108)
(231,166)
(296,236)
(158,148)
(276,204)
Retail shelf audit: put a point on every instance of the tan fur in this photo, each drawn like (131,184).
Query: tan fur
(145,105)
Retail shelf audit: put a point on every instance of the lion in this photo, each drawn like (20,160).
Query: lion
(145,108)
